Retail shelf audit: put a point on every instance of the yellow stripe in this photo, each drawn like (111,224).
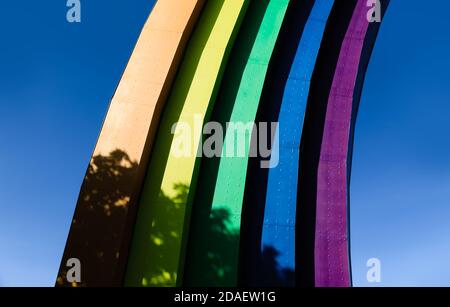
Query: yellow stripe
(156,254)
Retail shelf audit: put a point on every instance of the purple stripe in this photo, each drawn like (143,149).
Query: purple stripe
(331,243)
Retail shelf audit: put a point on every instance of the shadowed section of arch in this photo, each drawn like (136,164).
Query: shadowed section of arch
(332,261)
(311,142)
(262,267)
(203,267)
(105,213)
(229,188)
(153,261)
(281,203)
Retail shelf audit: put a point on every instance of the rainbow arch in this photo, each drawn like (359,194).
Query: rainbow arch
(148,216)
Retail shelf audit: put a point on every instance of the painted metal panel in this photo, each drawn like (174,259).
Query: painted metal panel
(278,231)
(206,259)
(332,267)
(227,198)
(157,253)
(104,216)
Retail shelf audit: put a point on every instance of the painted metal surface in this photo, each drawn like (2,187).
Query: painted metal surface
(208,244)
(332,266)
(281,196)
(104,216)
(156,256)
(301,64)
(227,198)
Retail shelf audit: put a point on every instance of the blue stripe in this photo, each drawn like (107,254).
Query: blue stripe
(281,199)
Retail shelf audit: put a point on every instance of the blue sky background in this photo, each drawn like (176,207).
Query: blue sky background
(400,205)
(56,81)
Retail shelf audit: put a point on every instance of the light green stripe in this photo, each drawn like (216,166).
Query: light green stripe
(230,183)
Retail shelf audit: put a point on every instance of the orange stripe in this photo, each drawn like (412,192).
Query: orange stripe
(105,212)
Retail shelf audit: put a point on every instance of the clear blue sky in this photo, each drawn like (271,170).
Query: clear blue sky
(400,188)
(56,81)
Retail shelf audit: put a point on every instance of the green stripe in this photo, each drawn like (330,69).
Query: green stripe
(214,238)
